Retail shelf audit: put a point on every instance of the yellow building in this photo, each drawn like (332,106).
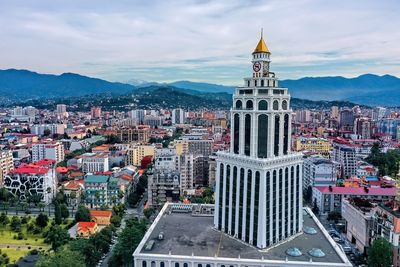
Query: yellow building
(318,145)
(181,146)
(135,154)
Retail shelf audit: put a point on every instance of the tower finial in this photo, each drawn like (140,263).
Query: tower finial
(262,32)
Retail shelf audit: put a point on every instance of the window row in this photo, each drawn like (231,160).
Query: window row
(177,264)
(262,105)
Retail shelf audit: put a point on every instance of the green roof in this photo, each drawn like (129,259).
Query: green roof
(96,179)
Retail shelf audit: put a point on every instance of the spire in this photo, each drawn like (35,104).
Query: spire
(261,46)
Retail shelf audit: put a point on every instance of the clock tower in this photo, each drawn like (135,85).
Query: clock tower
(261,59)
(259,181)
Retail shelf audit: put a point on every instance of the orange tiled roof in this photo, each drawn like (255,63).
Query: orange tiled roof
(86,225)
(100,213)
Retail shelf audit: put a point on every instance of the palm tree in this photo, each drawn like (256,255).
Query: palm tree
(41,206)
(6,205)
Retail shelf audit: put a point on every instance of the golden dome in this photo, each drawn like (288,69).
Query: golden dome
(261,46)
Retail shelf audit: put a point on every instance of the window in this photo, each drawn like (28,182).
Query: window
(247,134)
(263,105)
(276,136)
(262,136)
(241,188)
(248,83)
(276,105)
(153,264)
(255,82)
(262,83)
(284,105)
(236,130)
(162,264)
(227,185)
(249,104)
(248,205)
(256,201)
(221,190)
(238,104)
(234,185)
(144,264)
(285,134)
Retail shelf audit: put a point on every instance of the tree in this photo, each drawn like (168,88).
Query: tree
(63,258)
(42,220)
(4,194)
(4,219)
(82,214)
(148,212)
(380,254)
(57,236)
(57,214)
(116,220)
(315,208)
(64,211)
(46,132)
(15,224)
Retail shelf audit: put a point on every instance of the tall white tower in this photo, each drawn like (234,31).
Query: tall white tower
(259,182)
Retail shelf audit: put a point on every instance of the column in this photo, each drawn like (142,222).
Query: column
(230,199)
(244,205)
(223,200)
(217,190)
(251,229)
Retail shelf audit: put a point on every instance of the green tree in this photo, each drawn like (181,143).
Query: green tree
(63,258)
(64,211)
(148,212)
(4,194)
(82,214)
(4,219)
(15,224)
(116,220)
(42,220)
(57,214)
(380,254)
(57,236)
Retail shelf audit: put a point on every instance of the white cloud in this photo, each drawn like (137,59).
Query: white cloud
(199,40)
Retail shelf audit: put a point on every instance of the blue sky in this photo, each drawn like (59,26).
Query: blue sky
(209,41)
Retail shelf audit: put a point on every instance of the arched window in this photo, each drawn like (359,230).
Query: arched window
(208,265)
(162,264)
(236,130)
(263,105)
(221,190)
(247,134)
(284,105)
(262,83)
(276,105)
(228,182)
(238,104)
(177,264)
(153,264)
(255,82)
(248,83)
(286,134)
(249,104)
(276,135)
(248,205)
(262,136)
(184,265)
(144,264)
(199,265)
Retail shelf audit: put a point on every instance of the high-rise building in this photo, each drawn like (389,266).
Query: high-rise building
(61,108)
(258,183)
(178,116)
(138,114)
(42,129)
(134,134)
(6,163)
(345,156)
(319,171)
(362,127)
(48,150)
(135,154)
(303,115)
(334,112)
(346,119)
(258,196)
(95,112)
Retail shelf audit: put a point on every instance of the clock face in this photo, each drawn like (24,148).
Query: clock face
(256,66)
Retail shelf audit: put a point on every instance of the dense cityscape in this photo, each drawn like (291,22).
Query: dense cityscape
(129,138)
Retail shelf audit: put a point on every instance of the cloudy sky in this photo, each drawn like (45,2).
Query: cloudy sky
(210,41)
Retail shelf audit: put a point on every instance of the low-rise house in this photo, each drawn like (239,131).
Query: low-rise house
(86,229)
(101,217)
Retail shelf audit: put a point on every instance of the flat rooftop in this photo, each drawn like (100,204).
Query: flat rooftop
(187,235)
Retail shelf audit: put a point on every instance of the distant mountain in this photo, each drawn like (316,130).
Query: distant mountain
(203,87)
(368,89)
(24,84)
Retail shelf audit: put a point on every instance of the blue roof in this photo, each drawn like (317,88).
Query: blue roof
(371,178)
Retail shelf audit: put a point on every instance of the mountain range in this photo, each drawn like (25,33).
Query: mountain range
(367,89)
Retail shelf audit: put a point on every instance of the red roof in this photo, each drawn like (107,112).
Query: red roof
(84,226)
(357,191)
(27,169)
(101,213)
(44,162)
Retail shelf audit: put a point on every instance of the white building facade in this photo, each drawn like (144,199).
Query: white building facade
(258,183)
(50,150)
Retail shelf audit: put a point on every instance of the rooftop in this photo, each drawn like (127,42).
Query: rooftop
(187,235)
(96,179)
(389,191)
(101,213)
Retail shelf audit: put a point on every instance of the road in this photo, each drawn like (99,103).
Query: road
(130,213)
